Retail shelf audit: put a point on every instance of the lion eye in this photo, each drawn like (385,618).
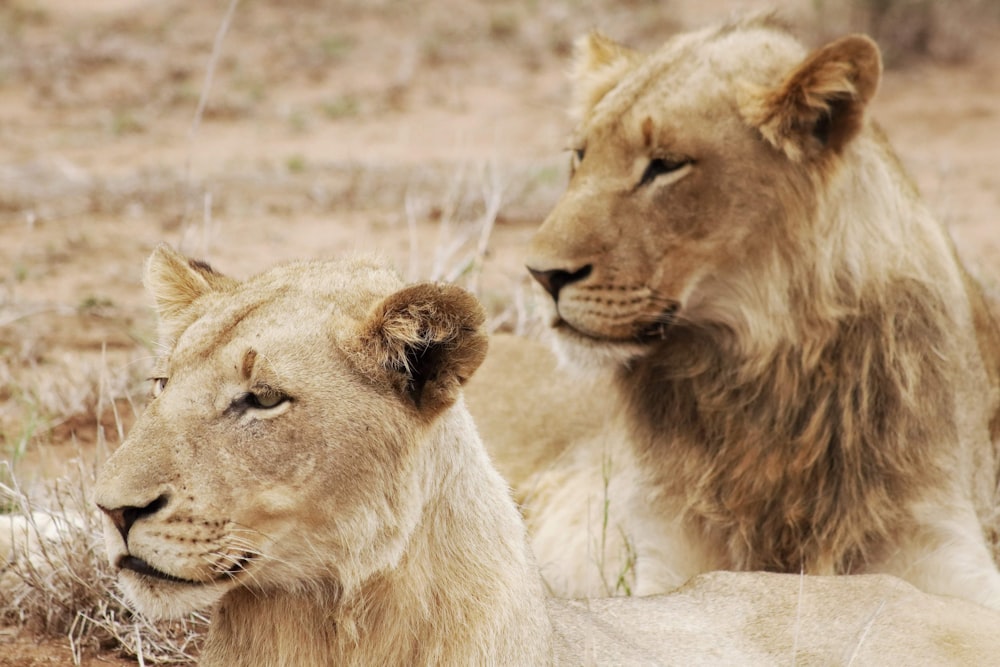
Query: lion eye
(659,166)
(260,397)
(576,159)
(265,399)
(159,384)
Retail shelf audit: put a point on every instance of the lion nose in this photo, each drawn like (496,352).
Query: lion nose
(554,280)
(124,517)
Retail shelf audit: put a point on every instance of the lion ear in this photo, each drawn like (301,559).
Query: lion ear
(599,63)
(425,340)
(821,104)
(175,282)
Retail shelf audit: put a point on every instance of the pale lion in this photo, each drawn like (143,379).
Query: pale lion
(308,467)
(808,376)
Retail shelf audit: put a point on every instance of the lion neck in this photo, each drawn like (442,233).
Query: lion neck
(466,590)
(768,418)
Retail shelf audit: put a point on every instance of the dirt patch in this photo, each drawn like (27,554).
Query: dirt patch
(24,650)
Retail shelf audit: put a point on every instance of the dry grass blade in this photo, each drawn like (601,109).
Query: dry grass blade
(864,633)
(798,618)
(206,89)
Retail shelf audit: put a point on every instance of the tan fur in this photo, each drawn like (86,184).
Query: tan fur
(809,378)
(522,432)
(358,522)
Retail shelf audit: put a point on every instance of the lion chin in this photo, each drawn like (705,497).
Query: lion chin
(163,599)
(587,354)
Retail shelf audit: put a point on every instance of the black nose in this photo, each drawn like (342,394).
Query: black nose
(125,517)
(553,281)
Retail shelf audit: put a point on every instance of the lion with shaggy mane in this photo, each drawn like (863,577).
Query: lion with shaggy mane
(808,376)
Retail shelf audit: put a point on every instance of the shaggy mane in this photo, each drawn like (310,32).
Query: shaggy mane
(817,484)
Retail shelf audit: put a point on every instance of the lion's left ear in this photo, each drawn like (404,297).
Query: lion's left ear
(599,63)
(176,282)
(821,104)
(425,340)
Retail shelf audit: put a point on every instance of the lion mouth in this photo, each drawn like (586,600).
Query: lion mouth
(656,330)
(141,567)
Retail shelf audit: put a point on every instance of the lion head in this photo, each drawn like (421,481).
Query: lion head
(286,443)
(697,181)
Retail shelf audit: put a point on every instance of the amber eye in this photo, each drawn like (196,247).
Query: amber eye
(159,384)
(265,399)
(659,166)
(575,159)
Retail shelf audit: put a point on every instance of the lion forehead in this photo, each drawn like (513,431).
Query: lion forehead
(293,303)
(700,70)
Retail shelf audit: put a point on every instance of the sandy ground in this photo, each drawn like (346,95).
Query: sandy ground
(407,128)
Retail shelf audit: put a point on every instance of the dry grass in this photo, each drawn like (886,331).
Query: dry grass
(57,581)
(49,393)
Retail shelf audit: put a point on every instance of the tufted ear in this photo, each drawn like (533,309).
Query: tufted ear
(599,63)
(425,340)
(175,282)
(821,104)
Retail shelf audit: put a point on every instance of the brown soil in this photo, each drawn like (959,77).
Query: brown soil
(26,651)
(330,128)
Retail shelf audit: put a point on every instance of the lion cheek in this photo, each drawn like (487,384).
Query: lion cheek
(276,502)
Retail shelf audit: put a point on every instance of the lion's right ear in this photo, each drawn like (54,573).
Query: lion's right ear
(175,282)
(424,342)
(821,104)
(599,63)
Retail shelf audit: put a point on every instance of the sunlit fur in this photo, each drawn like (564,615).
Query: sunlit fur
(357,523)
(808,375)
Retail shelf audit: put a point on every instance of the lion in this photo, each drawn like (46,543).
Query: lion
(308,468)
(807,377)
